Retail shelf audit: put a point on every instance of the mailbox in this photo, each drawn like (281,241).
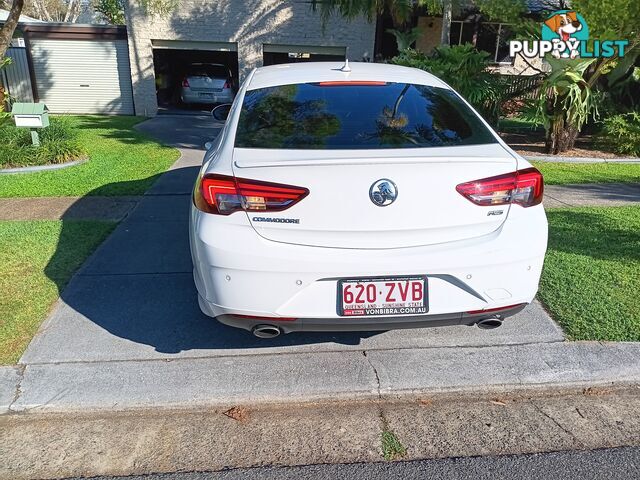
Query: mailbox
(30,115)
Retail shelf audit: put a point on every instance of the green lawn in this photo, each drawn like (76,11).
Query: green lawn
(556,173)
(591,278)
(37,259)
(122,161)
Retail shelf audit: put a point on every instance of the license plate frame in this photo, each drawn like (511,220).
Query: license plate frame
(390,278)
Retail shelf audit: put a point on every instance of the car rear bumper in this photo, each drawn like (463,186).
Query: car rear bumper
(225,96)
(236,271)
(364,324)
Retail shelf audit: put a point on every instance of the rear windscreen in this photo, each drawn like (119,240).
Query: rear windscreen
(213,71)
(334,116)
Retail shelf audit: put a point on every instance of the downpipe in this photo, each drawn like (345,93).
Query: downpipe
(266,331)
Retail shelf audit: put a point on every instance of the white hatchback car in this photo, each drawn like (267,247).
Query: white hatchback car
(362,197)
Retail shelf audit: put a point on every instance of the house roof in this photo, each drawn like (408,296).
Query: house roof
(539,6)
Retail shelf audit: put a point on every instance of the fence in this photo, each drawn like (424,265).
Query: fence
(523,86)
(15,77)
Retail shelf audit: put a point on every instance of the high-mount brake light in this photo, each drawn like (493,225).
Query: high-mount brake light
(523,187)
(351,83)
(223,195)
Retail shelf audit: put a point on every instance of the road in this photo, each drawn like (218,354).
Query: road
(615,463)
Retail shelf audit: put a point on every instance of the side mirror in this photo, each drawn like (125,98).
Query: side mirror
(221,112)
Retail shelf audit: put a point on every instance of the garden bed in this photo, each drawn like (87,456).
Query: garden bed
(59,144)
(528,139)
(530,144)
(122,161)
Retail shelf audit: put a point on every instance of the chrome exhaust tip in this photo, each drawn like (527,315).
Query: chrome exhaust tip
(489,323)
(266,331)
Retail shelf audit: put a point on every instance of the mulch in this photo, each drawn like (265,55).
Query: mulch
(528,144)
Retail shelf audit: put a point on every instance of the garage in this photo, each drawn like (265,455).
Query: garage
(82,71)
(193,75)
(276,54)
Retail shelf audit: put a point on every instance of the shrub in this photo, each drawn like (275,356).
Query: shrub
(58,144)
(465,69)
(621,133)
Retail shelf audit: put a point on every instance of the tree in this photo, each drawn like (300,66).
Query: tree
(447,13)
(111,10)
(66,11)
(400,10)
(6,32)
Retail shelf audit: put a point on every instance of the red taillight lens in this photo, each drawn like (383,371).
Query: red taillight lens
(185,83)
(524,187)
(223,195)
(227,84)
(351,83)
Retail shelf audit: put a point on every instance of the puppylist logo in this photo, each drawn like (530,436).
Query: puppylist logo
(565,34)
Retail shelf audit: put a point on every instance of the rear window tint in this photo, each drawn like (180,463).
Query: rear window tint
(213,71)
(391,115)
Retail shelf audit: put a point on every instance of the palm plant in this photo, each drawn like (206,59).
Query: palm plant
(565,103)
(404,40)
(400,10)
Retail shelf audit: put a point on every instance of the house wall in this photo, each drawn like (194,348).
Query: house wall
(248,23)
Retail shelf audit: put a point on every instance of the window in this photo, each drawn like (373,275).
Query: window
(208,70)
(489,37)
(388,115)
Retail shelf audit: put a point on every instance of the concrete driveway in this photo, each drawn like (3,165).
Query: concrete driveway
(135,298)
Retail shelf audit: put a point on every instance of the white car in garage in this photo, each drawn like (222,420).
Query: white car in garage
(207,83)
(362,197)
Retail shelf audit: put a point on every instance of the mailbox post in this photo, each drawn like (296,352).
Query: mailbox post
(31,116)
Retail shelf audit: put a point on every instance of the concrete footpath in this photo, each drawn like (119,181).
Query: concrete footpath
(592,195)
(315,376)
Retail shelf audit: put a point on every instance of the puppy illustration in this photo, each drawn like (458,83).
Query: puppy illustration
(565,25)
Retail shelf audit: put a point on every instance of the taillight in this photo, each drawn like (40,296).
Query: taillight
(223,195)
(185,83)
(524,187)
(227,84)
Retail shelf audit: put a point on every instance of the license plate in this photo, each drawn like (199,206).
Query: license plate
(391,296)
(206,95)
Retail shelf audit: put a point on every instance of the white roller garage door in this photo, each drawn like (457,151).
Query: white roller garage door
(83,76)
